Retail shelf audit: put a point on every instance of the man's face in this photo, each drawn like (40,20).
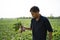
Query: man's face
(34,14)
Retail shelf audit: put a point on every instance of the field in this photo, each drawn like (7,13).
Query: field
(7,31)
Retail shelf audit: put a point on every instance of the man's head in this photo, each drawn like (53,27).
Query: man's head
(35,11)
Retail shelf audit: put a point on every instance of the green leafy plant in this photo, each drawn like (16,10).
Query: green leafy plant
(17,26)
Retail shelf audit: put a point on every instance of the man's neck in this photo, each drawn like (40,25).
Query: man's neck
(38,17)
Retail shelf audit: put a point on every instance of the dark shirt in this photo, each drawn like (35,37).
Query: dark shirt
(40,28)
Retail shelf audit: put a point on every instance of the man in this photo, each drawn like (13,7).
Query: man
(39,25)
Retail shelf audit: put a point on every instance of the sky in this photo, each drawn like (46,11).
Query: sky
(21,8)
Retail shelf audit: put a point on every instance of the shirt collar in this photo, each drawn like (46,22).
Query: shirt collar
(39,18)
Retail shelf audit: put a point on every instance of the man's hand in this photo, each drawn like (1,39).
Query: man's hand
(22,29)
(50,35)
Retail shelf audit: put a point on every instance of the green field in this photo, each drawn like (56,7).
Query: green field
(7,32)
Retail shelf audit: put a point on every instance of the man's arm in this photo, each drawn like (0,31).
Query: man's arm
(49,28)
(24,28)
(50,35)
(28,28)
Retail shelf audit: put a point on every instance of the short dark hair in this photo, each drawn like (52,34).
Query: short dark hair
(34,9)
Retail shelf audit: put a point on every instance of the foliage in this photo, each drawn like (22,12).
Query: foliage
(7,32)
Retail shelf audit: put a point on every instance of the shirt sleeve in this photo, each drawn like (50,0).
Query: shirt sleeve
(31,24)
(48,25)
